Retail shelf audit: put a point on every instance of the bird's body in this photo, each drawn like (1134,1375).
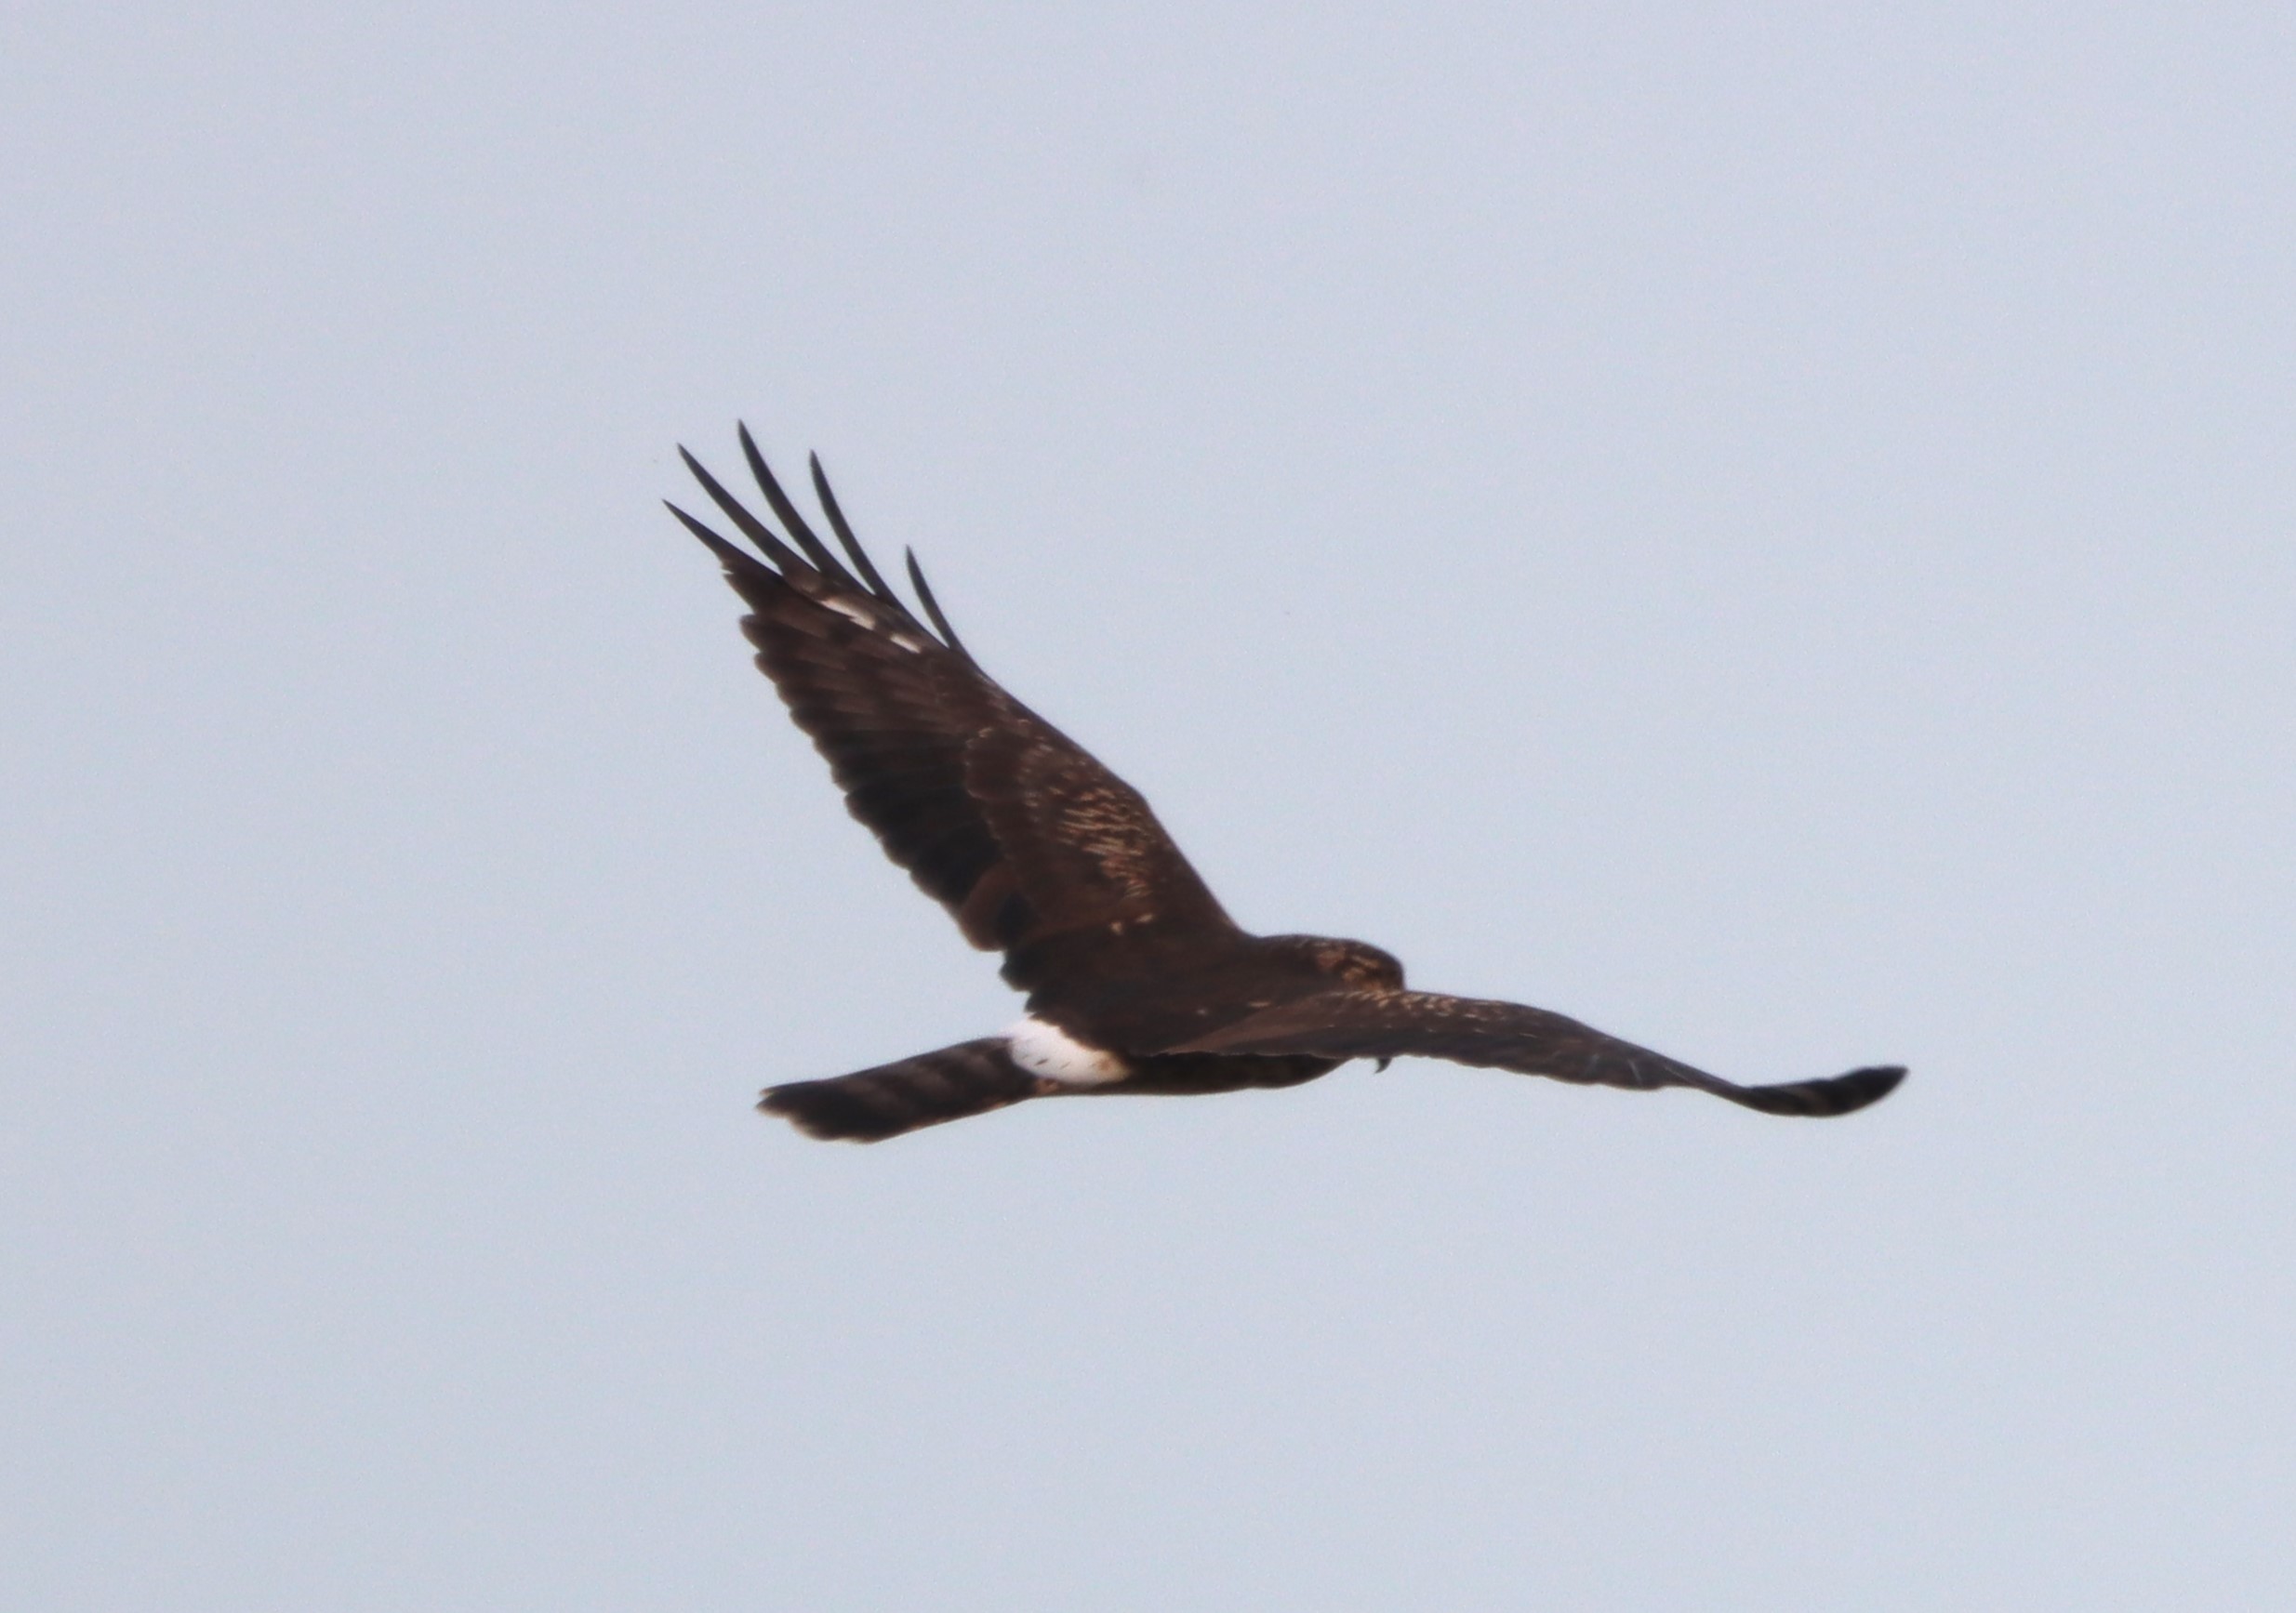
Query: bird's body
(1137,981)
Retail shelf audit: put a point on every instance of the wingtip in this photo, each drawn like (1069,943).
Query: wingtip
(1859,1089)
(931,605)
(1842,1095)
(717,545)
(862,566)
(816,552)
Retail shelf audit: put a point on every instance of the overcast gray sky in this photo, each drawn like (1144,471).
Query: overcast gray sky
(1766,528)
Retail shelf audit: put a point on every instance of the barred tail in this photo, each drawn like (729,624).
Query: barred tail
(869,1106)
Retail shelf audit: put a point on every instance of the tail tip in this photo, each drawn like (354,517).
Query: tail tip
(819,1111)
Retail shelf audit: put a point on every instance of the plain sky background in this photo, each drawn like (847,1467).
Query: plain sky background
(1766,527)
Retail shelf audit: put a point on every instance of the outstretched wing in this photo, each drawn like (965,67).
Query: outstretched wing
(995,814)
(1506,1035)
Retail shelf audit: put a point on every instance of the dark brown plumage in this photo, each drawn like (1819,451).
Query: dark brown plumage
(1137,981)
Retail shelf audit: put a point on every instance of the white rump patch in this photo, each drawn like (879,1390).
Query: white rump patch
(1047,1051)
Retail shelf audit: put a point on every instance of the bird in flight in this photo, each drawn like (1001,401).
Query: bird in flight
(1137,981)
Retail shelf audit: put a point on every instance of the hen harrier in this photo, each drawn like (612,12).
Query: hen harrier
(1137,980)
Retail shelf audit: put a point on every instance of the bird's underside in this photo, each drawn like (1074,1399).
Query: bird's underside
(1137,982)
